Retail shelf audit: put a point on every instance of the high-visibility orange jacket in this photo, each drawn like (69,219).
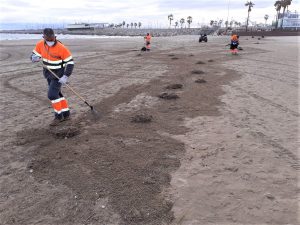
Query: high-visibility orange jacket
(234,38)
(148,38)
(57,58)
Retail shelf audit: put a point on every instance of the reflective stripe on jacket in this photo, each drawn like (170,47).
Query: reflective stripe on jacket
(57,57)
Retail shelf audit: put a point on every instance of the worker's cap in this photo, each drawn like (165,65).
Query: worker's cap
(48,32)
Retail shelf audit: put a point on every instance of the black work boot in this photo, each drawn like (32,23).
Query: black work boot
(66,115)
(57,120)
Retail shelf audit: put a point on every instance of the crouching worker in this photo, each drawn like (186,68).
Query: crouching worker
(147,41)
(57,58)
(234,43)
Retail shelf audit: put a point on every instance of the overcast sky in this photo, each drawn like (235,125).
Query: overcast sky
(151,13)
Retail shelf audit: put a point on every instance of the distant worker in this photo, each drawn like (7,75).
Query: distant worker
(147,41)
(234,43)
(57,58)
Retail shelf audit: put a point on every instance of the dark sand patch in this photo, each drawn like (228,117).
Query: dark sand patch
(64,131)
(174,86)
(197,72)
(168,96)
(142,118)
(200,81)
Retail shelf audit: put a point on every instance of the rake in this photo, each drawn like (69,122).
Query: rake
(71,89)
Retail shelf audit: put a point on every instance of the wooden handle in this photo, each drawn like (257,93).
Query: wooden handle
(68,86)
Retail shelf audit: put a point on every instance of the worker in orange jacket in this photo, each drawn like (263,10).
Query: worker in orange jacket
(57,58)
(234,43)
(147,41)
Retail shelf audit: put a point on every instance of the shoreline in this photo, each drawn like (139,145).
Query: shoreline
(155,32)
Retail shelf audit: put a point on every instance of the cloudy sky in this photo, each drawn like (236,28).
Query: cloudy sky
(151,13)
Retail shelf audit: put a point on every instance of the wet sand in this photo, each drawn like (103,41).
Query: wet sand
(223,152)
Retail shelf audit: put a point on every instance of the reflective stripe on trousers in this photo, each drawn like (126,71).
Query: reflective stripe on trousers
(60,105)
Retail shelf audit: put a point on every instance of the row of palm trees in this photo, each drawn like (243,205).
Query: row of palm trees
(215,23)
(189,20)
(127,25)
(279,4)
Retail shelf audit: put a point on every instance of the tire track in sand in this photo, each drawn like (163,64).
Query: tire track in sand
(267,101)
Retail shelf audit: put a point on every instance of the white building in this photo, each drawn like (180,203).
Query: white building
(86,26)
(290,20)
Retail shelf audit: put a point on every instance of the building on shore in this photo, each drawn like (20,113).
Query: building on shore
(291,20)
(86,26)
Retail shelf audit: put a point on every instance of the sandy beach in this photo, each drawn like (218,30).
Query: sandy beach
(188,134)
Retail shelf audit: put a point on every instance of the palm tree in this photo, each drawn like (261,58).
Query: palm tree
(123,24)
(284,5)
(289,3)
(176,24)
(135,25)
(220,23)
(170,17)
(250,5)
(182,22)
(189,20)
(127,25)
(278,8)
(140,24)
(266,17)
(226,24)
(131,25)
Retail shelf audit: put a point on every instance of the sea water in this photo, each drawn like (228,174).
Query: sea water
(11,36)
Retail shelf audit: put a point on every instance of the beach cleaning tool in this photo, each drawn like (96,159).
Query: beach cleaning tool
(68,86)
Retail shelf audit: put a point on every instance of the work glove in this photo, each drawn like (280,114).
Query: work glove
(35,58)
(63,79)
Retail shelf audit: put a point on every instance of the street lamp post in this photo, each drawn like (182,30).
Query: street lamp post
(228,4)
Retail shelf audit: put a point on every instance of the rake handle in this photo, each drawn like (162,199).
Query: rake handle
(68,86)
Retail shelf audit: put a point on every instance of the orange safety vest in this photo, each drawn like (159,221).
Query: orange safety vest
(148,38)
(54,57)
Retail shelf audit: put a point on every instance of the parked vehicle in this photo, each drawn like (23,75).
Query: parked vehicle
(203,37)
